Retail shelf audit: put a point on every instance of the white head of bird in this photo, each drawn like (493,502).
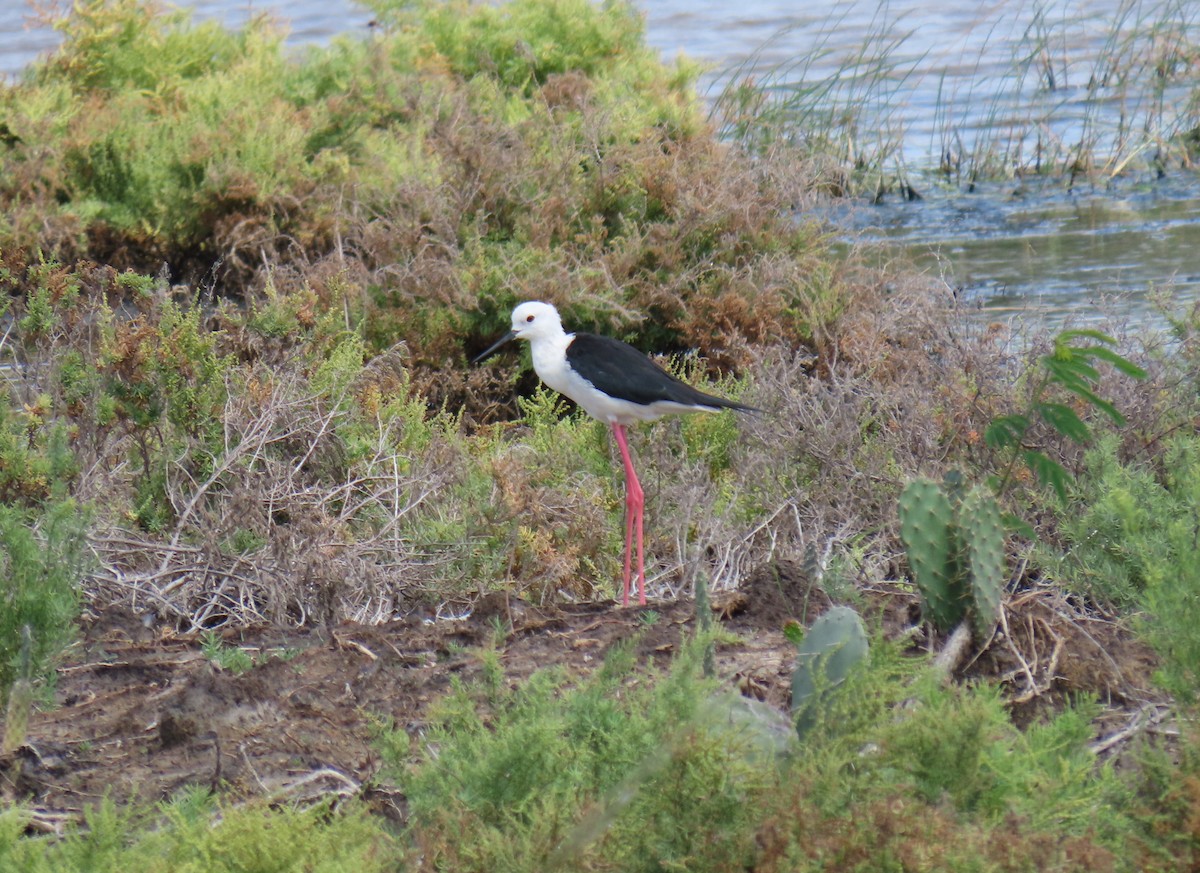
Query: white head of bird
(539,323)
(535,320)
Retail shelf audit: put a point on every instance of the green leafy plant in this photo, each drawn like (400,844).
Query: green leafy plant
(232,658)
(1071,367)
(648,618)
(955,547)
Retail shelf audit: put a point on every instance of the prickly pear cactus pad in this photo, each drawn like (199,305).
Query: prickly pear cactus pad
(983,541)
(928,529)
(835,643)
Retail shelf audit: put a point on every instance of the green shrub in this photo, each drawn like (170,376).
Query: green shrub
(36,461)
(523,43)
(191,834)
(1131,539)
(43,557)
(1115,529)
(545,775)
(655,771)
(575,158)
(1167,545)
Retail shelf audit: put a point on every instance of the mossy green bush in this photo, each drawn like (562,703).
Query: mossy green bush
(524,43)
(898,772)
(1115,530)
(463,157)
(43,559)
(193,834)
(543,776)
(1131,539)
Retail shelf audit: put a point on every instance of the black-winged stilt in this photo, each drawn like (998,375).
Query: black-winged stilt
(615,383)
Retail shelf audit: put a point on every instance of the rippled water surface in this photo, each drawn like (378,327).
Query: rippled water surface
(950,65)
(1059,256)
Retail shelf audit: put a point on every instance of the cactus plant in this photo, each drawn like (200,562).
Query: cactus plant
(927,527)
(954,539)
(982,533)
(835,643)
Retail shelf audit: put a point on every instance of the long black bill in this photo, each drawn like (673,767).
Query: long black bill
(510,335)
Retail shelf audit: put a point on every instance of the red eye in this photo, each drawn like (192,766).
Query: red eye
(529,318)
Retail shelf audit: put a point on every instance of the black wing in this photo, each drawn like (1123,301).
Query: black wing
(620,370)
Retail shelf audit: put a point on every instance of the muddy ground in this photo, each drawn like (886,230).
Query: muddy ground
(140,714)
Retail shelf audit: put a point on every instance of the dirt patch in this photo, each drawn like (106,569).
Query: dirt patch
(777,593)
(141,716)
(1049,650)
(139,719)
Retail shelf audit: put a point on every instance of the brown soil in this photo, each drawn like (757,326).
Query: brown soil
(139,716)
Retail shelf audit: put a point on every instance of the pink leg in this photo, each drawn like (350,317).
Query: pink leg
(634,501)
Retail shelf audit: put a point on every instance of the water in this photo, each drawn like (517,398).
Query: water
(925,67)
(23,38)
(1061,257)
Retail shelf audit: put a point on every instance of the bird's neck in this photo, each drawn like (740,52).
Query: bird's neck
(550,358)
